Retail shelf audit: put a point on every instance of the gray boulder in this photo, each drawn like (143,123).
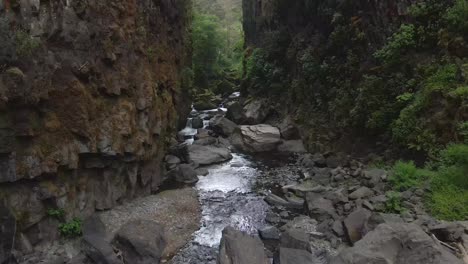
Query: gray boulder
(260,138)
(96,243)
(396,243)
(295,256)
(141,242)
(355,225)
(235,113)
(269,233)
(197,122)
(320,208)
(239,248)
(207,155)
(361,193)
(223,126)
(292,146)
(296,239)
(288,130)
(186,174)
(255,112)
(273,199)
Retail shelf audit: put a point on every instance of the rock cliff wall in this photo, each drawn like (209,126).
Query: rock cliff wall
(90,96)
(345,67)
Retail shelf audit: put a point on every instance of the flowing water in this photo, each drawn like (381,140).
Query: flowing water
(230,195)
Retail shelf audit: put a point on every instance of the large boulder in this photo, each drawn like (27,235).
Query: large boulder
(197,122)
(207,155)
(223,126)
(396,243)
(355,224)
(96,244)
(288,130)
(255,112)
(295,256)
(185,173)
(320,208)
(7,233)
(235,113)
(260,138)
(239,248)
(141,242)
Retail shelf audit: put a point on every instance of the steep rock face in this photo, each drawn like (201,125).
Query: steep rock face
(88,102)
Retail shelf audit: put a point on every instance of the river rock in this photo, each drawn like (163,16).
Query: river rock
(186,174)
(256,112)
(292,146)
(273,199)
(269,233)
(235,113)
(355,225)
(197,122)
(7,233)
(207,155)
(239,248)
(223,126)
(141,242)
(96,242)
(396,243)
(172,162)
(320,208)
(260,138)
(362,192)
(295,256)
(296,239)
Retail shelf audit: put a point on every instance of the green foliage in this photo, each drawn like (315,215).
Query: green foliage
(449,203)
(457,16)
(463,131)
(400,42)
(57,213)
(265,76)
(71,229)
(406,175)
(26,45)
(394,202)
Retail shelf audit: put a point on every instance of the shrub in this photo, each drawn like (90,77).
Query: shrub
(406,175)
(399,43)
(56,213)
(71,229)
(394,203)
(448,202)
(457,16)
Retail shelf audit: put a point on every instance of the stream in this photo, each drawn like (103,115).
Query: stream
(232,194)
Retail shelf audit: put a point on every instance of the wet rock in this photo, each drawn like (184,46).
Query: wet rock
(207,155)
(260,138)
(320,208)
(396,243)
(239,248)
(273,199)
(202,171)
(256,112)
(235,113)
(172,162)
(7,231)
(362,192)
(295,256)
(292,146)
(197,123)
(186,174)
(223,126)
(355,225)
(141,241)
(96,242)
(207,141)
(269,233)
(272,218)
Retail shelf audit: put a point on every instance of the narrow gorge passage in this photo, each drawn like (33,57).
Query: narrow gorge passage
(233,131)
